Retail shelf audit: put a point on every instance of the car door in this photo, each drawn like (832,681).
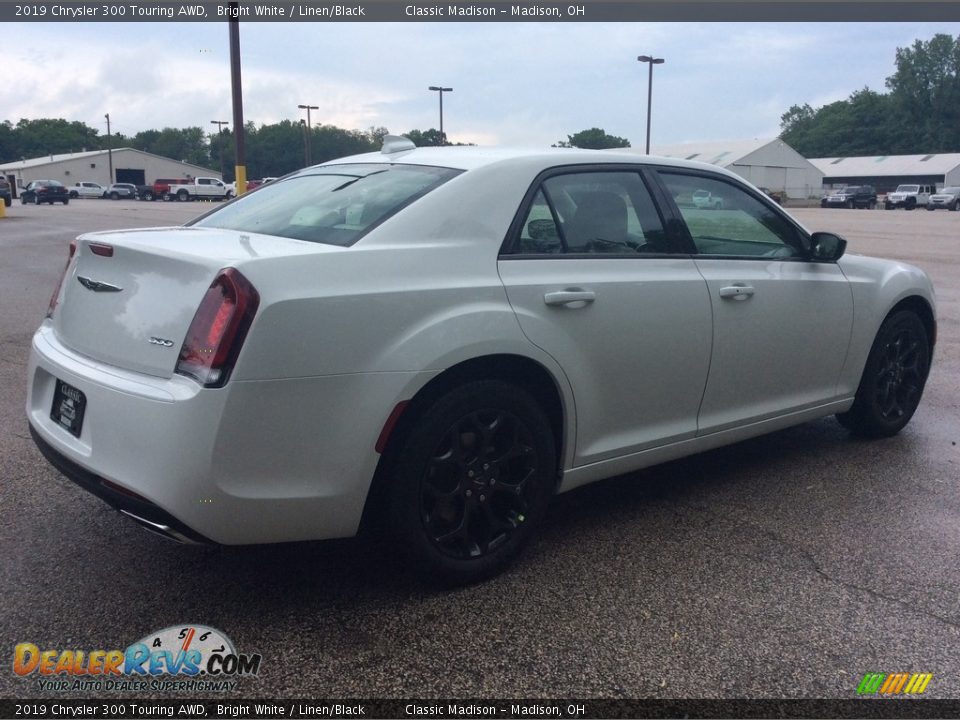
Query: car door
(595,282)
(781,322)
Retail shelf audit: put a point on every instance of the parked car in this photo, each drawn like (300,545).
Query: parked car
(85,189)
(5,192)
(159,189)
(121,191)
(854,196)
(909,196)
(431,342)
(948,197)
(704,199)
(41,191)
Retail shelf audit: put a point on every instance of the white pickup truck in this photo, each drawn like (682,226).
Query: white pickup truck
(87,190)
(201,188)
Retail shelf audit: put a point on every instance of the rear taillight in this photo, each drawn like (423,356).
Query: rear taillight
(56,290)
(218,329)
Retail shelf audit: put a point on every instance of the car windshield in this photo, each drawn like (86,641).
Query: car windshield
(335,204)
(850,190)
(907,188)
(953,190)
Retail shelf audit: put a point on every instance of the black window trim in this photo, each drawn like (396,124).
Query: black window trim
(512,238)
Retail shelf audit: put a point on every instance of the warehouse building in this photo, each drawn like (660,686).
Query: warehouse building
(766,162)
(885,172)
(129,166)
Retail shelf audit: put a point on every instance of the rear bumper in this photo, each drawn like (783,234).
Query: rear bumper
(139,509)
(252,462)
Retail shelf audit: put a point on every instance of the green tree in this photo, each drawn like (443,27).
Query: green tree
(595,139)
(921,113)
(49,136)
(425,138)
(926,92)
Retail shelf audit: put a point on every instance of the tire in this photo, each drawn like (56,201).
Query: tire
(955,206)
(37,200)
(851,205)
(114,195)
(23,199)
(74,194)
(148,195)
(930,208)
(8,201)
(911,204)
(65,201)
(183,196)
(893,378)
(872,205)
(470,481)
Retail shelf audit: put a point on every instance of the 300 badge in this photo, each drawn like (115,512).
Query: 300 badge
(191,650)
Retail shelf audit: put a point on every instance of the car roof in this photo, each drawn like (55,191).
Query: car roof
(472,157)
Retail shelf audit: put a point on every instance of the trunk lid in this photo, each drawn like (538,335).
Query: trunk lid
(132,308)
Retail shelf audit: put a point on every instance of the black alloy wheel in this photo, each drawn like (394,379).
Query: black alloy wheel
(473,480)
(893,379)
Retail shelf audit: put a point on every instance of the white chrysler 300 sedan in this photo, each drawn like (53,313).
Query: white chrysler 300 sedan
(434,341)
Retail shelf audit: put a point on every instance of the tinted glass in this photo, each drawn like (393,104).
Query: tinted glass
(335,205)
(592,212)
(736,225)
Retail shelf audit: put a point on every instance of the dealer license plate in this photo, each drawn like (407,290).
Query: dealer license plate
(69,405)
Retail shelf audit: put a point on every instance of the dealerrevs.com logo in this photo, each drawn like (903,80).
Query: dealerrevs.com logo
(188,658)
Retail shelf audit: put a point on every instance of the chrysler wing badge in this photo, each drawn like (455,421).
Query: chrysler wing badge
(97,285)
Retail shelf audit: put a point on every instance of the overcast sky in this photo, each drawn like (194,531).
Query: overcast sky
(514,83)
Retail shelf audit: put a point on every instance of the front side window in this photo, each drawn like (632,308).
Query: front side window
(591,213)
(336,204)
(734,223)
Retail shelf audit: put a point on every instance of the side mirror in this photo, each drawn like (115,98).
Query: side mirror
(826,247)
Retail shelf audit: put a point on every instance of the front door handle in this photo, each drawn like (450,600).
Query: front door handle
(736,292)
(570,297)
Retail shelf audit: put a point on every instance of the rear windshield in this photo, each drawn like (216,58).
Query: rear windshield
(336,204)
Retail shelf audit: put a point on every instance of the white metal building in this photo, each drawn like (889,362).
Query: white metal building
(129,165)
(766,162)
(885,172)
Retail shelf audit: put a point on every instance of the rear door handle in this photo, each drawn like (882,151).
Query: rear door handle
(570,297)
(736,292)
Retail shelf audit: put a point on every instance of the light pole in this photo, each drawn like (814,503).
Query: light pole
(236,87)
(307,149)
(441,90)
(109,150)
(652,61)
(220,124)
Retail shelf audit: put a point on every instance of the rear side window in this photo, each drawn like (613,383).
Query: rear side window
(591,213)
(335,205)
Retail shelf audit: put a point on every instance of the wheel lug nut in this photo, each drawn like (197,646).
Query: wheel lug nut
(486,466)
(492,481)
(469,493)
(482,498)
(470,473)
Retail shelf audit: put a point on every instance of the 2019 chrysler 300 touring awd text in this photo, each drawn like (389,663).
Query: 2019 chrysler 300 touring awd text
(437,340)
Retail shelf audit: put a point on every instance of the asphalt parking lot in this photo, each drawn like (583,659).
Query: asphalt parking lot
(782,567)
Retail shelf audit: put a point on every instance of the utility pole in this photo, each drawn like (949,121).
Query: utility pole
(240,174)
(109,150)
